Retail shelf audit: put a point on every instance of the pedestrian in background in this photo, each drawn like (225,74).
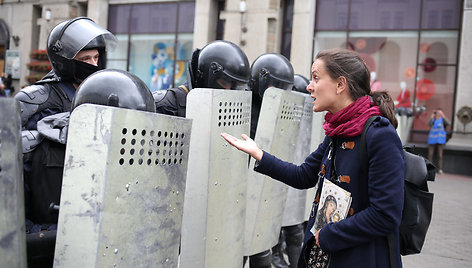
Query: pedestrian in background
(8,88)
(2,89)
(340,85)
(437,137)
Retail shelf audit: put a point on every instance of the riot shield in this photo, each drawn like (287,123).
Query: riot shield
(277,133)
(123,189)
(405,122)
(317,137)
(12,210)
(215,199)
(294,212)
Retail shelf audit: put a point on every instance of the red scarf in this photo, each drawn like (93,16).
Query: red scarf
(349,122)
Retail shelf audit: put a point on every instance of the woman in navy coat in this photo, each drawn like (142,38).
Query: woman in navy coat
(340,86)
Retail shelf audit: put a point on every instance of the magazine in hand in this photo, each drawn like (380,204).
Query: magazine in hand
(333,207)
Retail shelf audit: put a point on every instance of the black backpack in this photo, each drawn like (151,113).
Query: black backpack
(418,201)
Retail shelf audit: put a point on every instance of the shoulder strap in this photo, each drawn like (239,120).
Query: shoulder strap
(363,158)
(363,183)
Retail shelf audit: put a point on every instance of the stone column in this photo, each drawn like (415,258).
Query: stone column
(301,54)
(464,80)
(204,30)
(98,11)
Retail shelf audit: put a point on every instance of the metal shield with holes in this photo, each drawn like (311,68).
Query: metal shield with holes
(294,212)
(317,137)
(12,210)
(123,189)
(215,199)
(277,133)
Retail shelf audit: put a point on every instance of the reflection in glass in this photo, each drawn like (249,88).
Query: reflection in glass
(441,14)
(389,55)
(438,47)
(385,14)
(149,31)
(152,59)
(184,54)
(325,40)
(331,15)
(118,18)
(434,89)
(385,33)
(153,18)
(186,17)
(117,58)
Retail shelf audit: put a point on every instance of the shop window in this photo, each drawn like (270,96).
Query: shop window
(389,62)
(369,14)
(432,93)
(220,24)
(331,15)
(154,41)
(438,53)
(325,40)
(402,49)
(287,28)
(439,46)
(441,14)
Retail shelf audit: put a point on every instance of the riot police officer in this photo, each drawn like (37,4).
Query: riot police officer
(115,88)
(76,48)
(268,70)
(300,83)
(219,64)
(290,236)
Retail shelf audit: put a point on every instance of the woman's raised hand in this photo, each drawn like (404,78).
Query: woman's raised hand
(247,145)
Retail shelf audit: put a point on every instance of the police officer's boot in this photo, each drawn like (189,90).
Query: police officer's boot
(294,239)
(260,260)
(278,260)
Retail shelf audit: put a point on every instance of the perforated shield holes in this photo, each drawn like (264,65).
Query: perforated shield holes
(158,147)
(233,113)
(291,111)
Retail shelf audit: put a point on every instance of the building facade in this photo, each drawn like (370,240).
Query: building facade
(419,46)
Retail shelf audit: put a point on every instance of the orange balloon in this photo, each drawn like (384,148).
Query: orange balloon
(361,44)
(410,72)
(424,48)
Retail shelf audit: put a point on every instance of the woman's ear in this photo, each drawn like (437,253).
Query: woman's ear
(342,85)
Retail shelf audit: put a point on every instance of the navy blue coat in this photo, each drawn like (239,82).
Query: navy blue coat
(360,240)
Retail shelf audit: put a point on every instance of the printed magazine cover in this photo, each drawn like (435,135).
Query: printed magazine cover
(333,207)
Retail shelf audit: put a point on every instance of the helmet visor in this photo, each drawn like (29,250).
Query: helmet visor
(274,82)
(268,81)
(79,33)
(223,80)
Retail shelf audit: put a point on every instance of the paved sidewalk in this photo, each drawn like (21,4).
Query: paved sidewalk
(449,239)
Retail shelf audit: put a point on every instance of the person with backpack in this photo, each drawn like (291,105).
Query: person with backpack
(340,86)
(437,136)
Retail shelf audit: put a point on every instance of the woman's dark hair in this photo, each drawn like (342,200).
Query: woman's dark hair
(347,63)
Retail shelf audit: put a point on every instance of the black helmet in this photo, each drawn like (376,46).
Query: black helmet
(271,70)
(220,64)
(69,38)
(115,88)
(300,83)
